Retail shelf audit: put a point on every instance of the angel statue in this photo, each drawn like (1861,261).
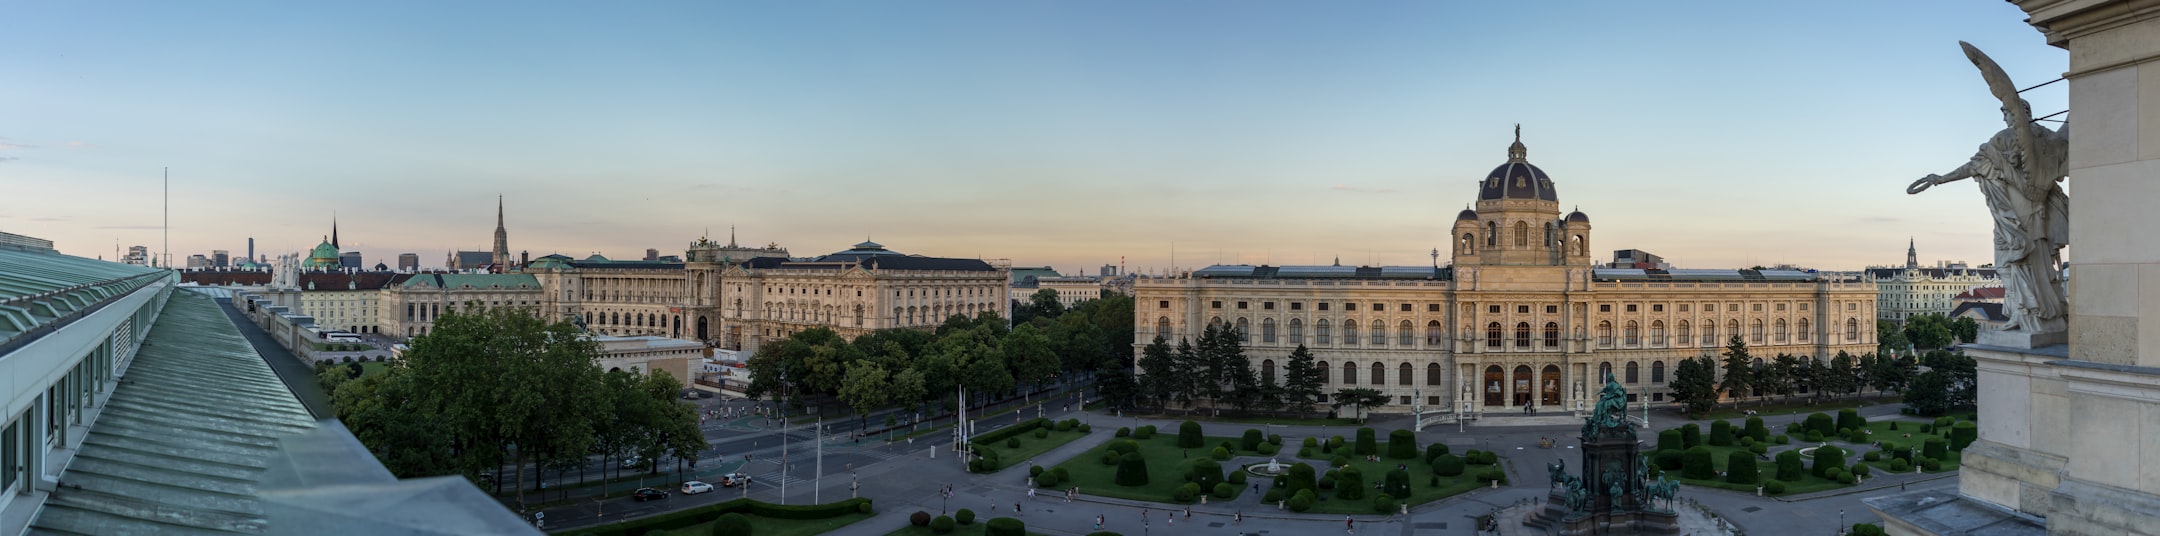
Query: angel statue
(2017,170)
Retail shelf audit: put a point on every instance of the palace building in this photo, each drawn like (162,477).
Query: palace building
(1520,318)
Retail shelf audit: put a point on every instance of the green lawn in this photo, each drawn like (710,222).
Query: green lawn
(971,529)
(766,526)
(1766,470)
(1917,439)
(1166,465)
(1421,488)
(1030,446)
(1794,406)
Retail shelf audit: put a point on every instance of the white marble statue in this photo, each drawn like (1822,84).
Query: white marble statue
(2017,171)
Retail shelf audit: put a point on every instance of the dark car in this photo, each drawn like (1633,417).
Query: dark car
(648,494)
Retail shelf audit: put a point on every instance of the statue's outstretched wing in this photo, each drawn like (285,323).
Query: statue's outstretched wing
(1999,84)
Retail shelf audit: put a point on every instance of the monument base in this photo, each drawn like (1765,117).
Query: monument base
(2022,339)
(1555,518)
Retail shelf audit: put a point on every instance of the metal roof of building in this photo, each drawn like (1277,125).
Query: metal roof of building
(201,437)
(1323,272)
(41,286)
(1654,274)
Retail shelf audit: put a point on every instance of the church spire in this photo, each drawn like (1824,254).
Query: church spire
(333,232)
(1912,253)
(730,236)
(502,238)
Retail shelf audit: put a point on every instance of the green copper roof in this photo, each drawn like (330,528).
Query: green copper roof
(473,281)
(38,286)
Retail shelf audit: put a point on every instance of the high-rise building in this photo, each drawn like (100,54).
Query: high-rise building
(652,254)
(198,262)
(408,262)
(350,260)
(220,258)
(251,250)
(137,255)
(11,239)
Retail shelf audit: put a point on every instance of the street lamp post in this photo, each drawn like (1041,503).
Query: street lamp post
(783,439)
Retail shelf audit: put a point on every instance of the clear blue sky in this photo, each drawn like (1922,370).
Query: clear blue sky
(1069,134)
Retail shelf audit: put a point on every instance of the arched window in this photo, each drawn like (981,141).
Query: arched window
(1432,333)
(1379,374)
(1405,336)
(1522,234)
(1631,372)
(1522,334)
(1582,247)
(1349,332)
(1320,332)
(1682,338)
(1755,332)
(1852,329)
(1604,334)
(1492,335)
(1634,334)
(1162,329)
(1349,373)
(1732,329)
(1244,330)
(1379,333)
(1804,333)
(1267,330)
(1552,334)
(1604,370)
(1215,322)
(1657,372)
(1432,374)
(1267,372)
(1657,333)
(1492,234)
(1469,244)
(1297,331)
(1403,374)
(1323,370)
(1778,331)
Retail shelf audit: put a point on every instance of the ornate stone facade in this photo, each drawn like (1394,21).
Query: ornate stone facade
(1520,319)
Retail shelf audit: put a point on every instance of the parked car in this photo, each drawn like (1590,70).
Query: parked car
(648,494)
(695,487)
(734,479)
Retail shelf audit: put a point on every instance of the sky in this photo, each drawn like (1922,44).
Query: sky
(1065,134)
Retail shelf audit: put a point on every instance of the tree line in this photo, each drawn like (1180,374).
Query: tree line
(490,387)
(1948,381)
(912,368)
(1215,370)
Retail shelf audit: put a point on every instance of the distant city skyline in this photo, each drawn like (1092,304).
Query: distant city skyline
(1057,134)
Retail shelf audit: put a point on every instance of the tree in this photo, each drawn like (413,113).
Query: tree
(907,387)
(1236,371)
(1928,331)
(1115,384)
(1889,337)
(1694,385)
(1965,329)
(865,388)
(1301,382)
(1044,304)
(1360,400)
(1929,393)
(1028,356)
(1158,372)
(1781,374)
(481,372)
(1838,378)
(1739,369)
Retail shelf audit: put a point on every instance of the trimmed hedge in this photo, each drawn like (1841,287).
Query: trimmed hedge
(993,437)
(713,512)
(1789,466)
(1447,465)
(1220,453)
(1671,440)
(1132,470)
(1188,435)
(1827,458)
(1252,440)
(1349,483)
(1935,447)
(1301,501)
(1144,432)
(1774,487)
(964,516)
(1740,468)
(941,525)
(732,525)
(1755,429)
(1821,424)
(1696,464)
(1367,442)
(1721,433)
(1691,436)
(1402,445)
(1435,450)
(1963,434)
(1850,419)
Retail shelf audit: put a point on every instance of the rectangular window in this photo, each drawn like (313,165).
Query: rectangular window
(9,457)
(1432,307)
(1631,308)
(1494,309)
(1732,307)
(1378,308)
(1240,305)
(1657,308)
(1267,305)
(1349,306)
(1217,304)
(1406,400)
(1683,307)
(1323,306)
(1781,307)
(1405,307)
(1432,401)
(1297,306)
(1604,308)
(1803,307)
(1522,309)
(1755,307)
(1552,309)
(1165,304)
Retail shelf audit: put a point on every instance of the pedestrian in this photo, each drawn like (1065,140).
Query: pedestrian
(1188,512)
(1237,518)
(1173,519)
(1016,508)
(1098,521)
(1256,487)
(1349,526)
(1031,493)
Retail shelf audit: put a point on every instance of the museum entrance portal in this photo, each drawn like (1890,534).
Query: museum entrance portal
(1493,379)
(1522,385)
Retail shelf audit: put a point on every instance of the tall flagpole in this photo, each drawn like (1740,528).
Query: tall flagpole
(168,219)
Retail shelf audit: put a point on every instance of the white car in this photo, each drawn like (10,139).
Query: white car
(735,479)
(695,487)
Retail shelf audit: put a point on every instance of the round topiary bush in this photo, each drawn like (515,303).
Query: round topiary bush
(1206,472)
(1696,463)
(1048,480)
(1448,465)
(1944,421)
(1302,501)
(1305,452)
(1041,433)
(1273,495)
(1850,418)
(1756,430)
(1866,529)
(1225,490)
(1004,526)
(1492,474)
(732,524)
(862,507)
(1781,439)
(1124,432)
(1274,438)
(1935,447)
(1384,504)
(1334,444)
(1251,440)
(919,518)
(1237,477)
(1397,483)
(1759,448)
(1872,456)
(1086,428)
(1125,446)
(1220,454)
(1789,466)
(1821,424)
(1132,470)
(1339,461)
(1035,470)
(1188,435)
(941,525)
(1814,436)
(1435,450)
(1310,443)
(1827,458)
(1186,493)
(1862,470)
(964,516)
(1301,477)
(1012,443)
(1899,465)
(1845,478)
(1111,458)
(1691,435)
(1745,441)
(1930,464)
(1367,442)
(1349,483)
(1144,432)
(1774,487)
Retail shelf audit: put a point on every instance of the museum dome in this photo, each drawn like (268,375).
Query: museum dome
(323,256)
(1578,217)
(1517,179)
(1466,215)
